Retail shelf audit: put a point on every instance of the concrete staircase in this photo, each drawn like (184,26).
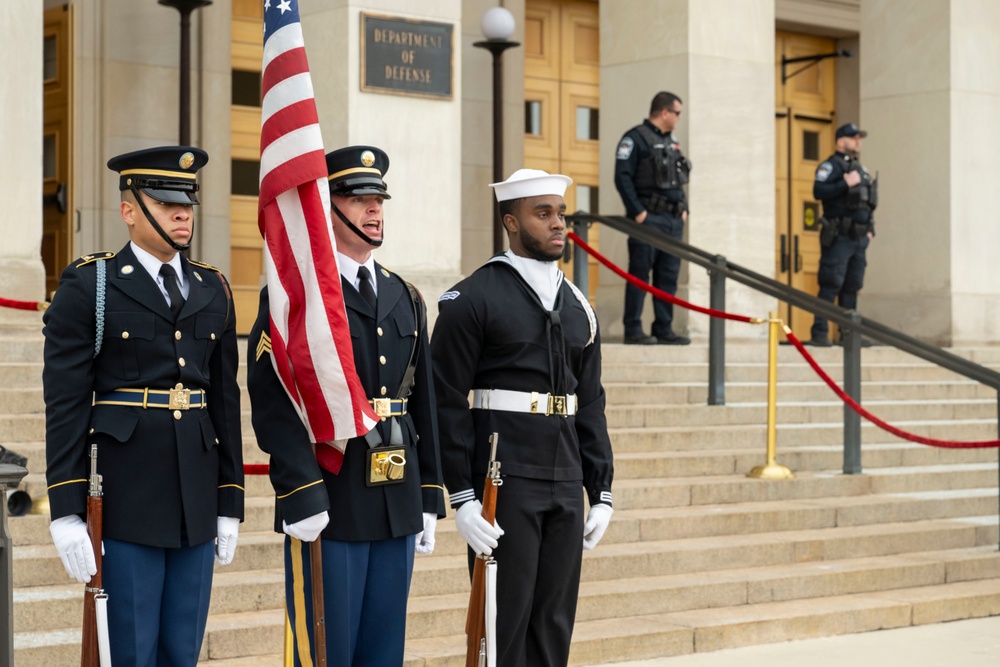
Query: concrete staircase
(698,557)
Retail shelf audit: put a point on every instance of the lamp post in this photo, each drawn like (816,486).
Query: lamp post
(497,25)
(185,7)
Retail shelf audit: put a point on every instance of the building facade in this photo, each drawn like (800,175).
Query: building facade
(89,79)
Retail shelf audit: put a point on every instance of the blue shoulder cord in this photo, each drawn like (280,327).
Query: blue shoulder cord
(99,310)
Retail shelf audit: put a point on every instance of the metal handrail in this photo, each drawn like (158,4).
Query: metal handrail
(853,325)
(10,476)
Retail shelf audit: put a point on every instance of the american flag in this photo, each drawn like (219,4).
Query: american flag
(310,337)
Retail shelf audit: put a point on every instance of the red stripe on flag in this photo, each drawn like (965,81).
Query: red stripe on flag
(287,176)
(288,119)
(287,64)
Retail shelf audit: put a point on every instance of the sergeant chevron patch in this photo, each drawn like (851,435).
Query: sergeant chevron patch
(448,296)
(263,346)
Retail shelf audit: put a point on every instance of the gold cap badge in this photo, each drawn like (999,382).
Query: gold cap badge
(368,158)
(186,160)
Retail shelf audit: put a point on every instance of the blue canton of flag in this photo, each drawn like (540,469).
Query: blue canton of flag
(278,14)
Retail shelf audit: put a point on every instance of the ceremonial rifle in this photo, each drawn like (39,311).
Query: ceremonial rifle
(480,623)
(96,651)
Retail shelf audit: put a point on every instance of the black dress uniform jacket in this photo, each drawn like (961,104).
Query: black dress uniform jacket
(492,332)
(382,345)
(166,480)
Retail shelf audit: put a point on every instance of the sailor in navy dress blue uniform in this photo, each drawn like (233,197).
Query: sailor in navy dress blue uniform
(520,338)
(370,525)
(141,359)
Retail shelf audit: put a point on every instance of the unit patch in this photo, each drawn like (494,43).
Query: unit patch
(625,148)
(823,171)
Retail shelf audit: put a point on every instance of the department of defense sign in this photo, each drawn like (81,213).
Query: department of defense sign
(406,57)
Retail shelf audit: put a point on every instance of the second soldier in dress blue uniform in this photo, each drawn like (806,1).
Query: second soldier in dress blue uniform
(370,524)
(140,359)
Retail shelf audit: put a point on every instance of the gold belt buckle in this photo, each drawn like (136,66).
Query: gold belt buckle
(180,398)
(382,406)
(557,405)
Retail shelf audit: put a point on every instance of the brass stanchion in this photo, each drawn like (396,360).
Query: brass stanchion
(772,470)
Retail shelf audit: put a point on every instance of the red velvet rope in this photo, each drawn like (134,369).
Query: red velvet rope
(658,293)
(933,442)
(256,468)
(23,305)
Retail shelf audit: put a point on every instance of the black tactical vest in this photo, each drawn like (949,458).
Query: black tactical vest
(666,168)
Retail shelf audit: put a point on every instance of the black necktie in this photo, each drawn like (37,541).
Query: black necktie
(365,286)
(173,289)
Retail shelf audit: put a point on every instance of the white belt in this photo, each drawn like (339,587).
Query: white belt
(530,402)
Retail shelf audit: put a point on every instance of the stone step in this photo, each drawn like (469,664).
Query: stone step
(748,372)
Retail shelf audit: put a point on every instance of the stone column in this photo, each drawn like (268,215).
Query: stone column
(22,275)
(930,99)
(718,56)
(422,136)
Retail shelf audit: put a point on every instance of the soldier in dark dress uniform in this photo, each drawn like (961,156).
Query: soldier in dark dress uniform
(524,341)
(140,359)
(370,524)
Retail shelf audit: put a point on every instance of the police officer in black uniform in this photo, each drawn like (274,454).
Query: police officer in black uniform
(650,172)
(524,341)
(371,517)
(849,195)
(141,359)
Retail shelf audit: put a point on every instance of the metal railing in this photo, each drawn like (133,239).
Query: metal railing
(852,324)
(10,476)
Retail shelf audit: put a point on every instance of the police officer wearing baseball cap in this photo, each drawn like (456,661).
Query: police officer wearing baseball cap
(849,194)
(369,524)
(140,360)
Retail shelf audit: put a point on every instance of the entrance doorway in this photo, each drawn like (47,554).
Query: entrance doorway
(804,128)
(561,100)
(57,144)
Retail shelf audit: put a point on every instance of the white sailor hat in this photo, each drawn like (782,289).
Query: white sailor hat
(531,183)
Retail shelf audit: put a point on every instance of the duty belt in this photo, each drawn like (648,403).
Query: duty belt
(388,407)
(177,398)
(530,402)
(658,204)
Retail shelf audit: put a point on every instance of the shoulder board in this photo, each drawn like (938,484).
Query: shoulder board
(87,259)
(203,265)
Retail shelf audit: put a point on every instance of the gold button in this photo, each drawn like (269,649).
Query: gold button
(177,335)
(383,391)
(91,430)
(182,362)
(379,330)
(381,360)
(177,414)
(212,336)
(216,441)
(124,334)
(414,332)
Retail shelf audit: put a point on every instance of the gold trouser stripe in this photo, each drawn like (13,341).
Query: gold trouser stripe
(318,481)
(299,600)
(289,642)
(71,481)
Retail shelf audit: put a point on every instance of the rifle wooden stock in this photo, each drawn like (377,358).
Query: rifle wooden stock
(475,620)
(319,612)
(90,655)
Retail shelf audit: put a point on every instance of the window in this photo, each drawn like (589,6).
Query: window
(246,88)
(533,117)
(586,123)
(246,177)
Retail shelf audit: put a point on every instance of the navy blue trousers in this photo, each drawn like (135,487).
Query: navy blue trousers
(643,259)
(157,602)
(538,570)
(841,276)
(365,586)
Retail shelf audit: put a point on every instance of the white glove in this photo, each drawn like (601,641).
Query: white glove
(475,530)
(597,522)
(69,534)
(229,534)
(425,538)
(309,528)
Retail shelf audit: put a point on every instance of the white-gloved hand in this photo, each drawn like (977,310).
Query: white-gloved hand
(228,535)
(309,528)
(69,534)
(425,538)
(597,522)
(475,530)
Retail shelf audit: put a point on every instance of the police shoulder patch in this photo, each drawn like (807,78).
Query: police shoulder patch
(823,171)
(625,148)
(449,296)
